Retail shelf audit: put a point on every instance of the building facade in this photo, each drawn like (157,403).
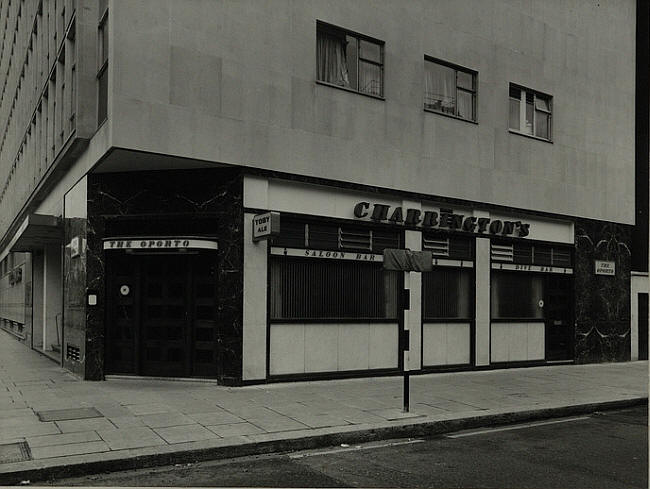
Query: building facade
(206,189)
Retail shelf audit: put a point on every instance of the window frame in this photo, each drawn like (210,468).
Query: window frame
(523,92)
(334,30)
(494,317)
(276,262)
(427,277)
(102,62)
(474,91)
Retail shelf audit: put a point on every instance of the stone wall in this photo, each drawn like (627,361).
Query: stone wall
(602,302)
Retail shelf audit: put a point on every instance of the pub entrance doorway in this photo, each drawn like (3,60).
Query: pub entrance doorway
(558,315)
(161,313)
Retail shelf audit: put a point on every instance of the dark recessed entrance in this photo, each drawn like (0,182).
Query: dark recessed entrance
(558,316)
(161,314)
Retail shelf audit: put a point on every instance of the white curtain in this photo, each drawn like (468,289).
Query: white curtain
(332,63)
(440,88)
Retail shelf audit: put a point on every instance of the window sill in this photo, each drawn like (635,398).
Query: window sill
(332,320)
(517,320)
(451,116)
(447,320)
(513,131)
(378,97)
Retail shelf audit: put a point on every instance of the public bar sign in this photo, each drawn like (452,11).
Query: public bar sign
(605,267)
(174,243)
(266,225)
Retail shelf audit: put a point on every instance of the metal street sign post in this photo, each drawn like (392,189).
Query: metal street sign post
(407,261)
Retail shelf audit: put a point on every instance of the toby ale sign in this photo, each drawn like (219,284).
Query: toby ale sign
(266,225)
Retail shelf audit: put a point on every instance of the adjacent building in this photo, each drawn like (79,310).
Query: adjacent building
(205,188)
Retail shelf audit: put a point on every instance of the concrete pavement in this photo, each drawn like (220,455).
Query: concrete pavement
(52,424)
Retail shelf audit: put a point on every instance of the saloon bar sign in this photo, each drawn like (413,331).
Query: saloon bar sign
(445,219)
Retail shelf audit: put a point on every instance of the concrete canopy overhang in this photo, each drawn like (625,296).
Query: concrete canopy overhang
(37,231)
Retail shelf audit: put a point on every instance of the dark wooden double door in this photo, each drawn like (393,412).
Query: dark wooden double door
(162,314)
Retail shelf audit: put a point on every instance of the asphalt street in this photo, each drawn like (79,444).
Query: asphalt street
(604,450)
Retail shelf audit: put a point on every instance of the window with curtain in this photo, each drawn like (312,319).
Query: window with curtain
(447,294)
(313,289)
(517,295)
(449,89)
(349,60)
(530,112)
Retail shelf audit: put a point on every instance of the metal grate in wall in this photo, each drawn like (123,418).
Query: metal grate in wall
(330,236)
(353,239)
(502,252)
(532,254)
(73,353)
(437,246)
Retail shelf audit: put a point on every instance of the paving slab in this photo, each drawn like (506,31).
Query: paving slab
(236,429)
(164,420)
(126,421)
(91,424)
(133,437)
(215,418)
(180,434)
(277,424)
(29,430)
(70,449)
(142,409)
(62,439)
(16,413)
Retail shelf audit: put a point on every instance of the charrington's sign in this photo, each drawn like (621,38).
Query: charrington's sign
(446,219)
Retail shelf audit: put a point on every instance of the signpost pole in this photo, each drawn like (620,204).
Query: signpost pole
(405,343)
(406,261)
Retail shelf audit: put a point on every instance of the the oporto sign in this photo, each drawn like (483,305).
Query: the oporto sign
(445,219)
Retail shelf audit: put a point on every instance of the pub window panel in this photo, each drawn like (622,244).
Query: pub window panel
(324,236)
(517,296)
(349,60)
(331,289)
(292,235)
(530,112)
(385,239)
(449,90)
(447,293)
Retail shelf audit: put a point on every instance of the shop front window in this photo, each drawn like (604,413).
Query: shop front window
(331,289)
(517,296)
(447,294)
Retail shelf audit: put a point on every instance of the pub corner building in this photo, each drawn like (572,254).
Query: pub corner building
(232,225)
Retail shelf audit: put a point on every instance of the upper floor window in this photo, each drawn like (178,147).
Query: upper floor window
(349,60)
(449,90)
(530,112)
(102,69)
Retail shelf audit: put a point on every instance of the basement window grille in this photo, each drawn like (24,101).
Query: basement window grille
(73,353)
